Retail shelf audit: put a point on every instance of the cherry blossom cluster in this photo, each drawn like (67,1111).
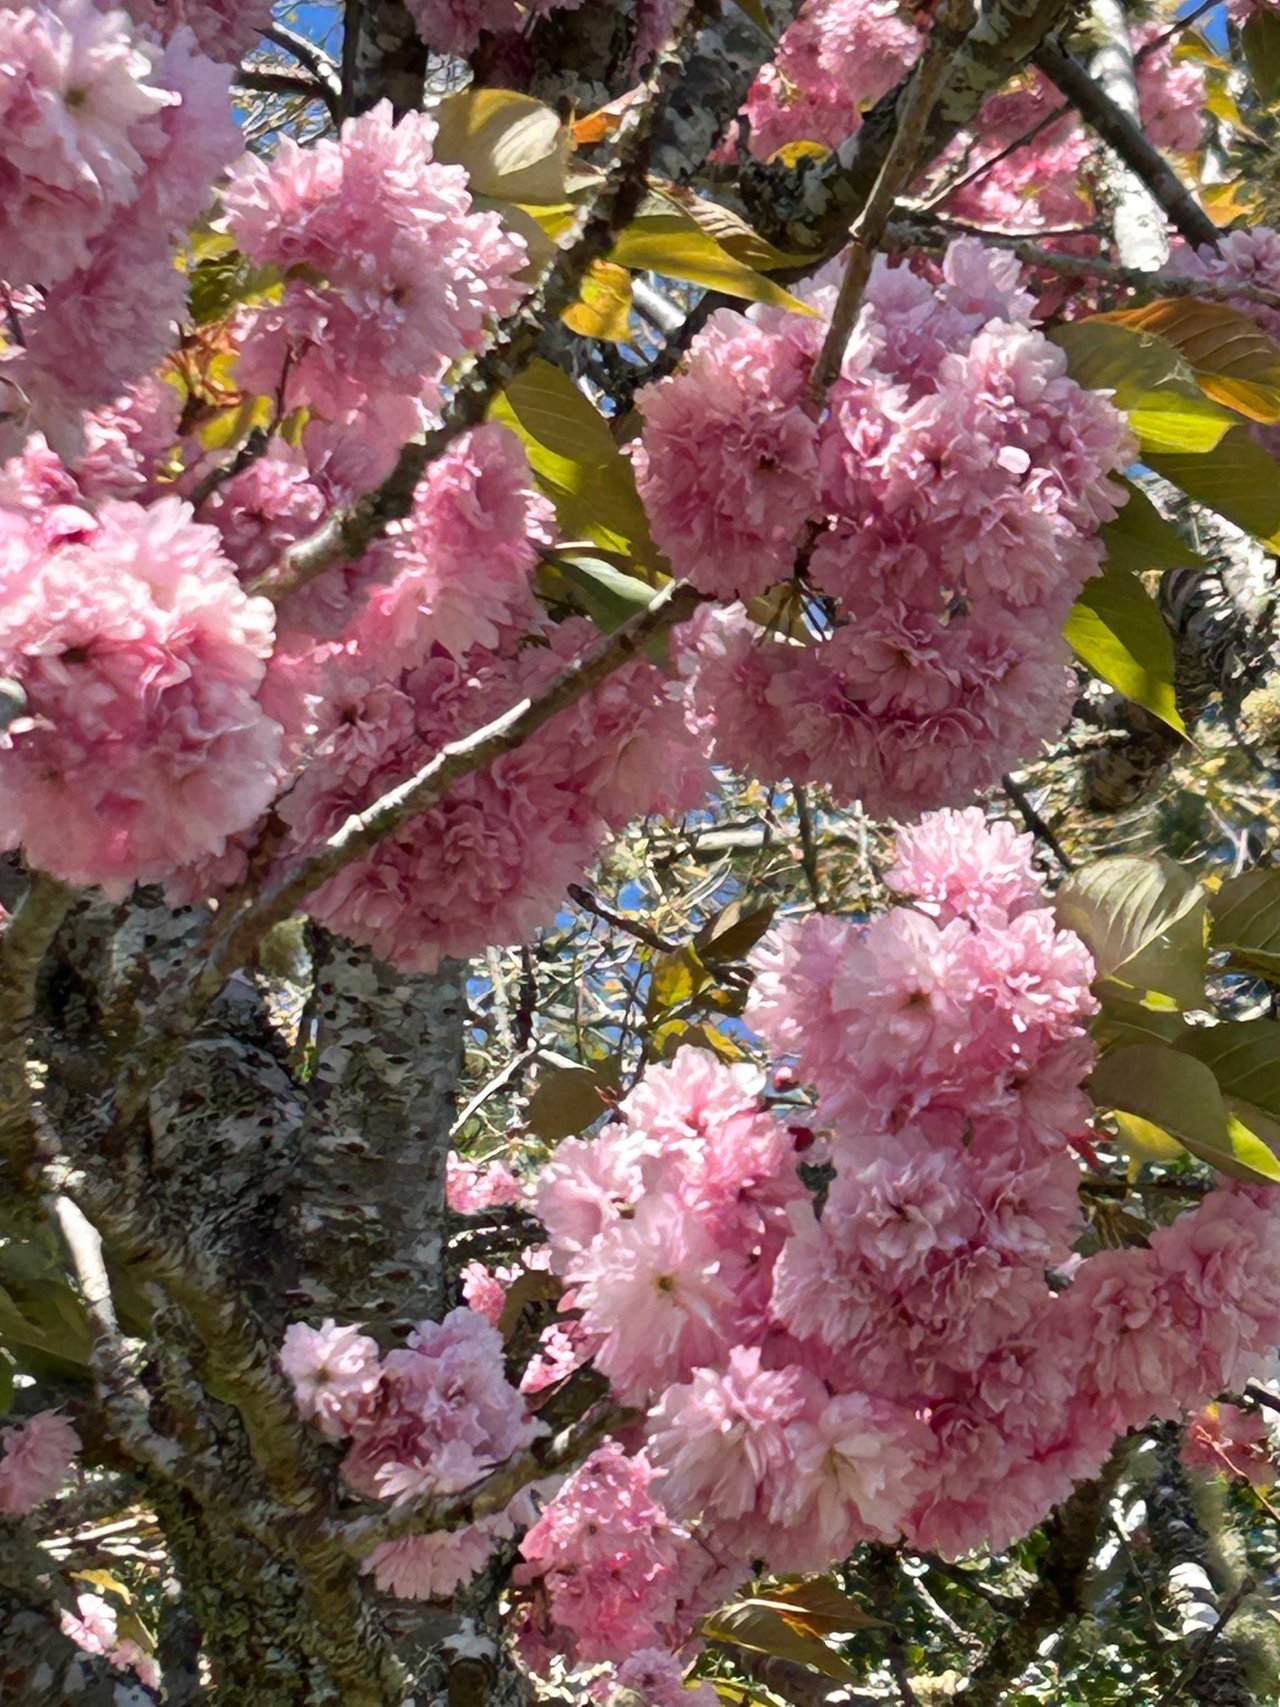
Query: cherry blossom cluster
(145,743)
(37,1455)
(1249,257)
(94,1627)
(109,143)
(937,515)
(1224,1439)
(389,270)
(431,1418)
(875,1324)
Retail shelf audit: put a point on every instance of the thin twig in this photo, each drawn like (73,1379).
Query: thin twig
(951,27)
(904,234)
(1119,131)
(359,1536)
(633,927)
(1034,822)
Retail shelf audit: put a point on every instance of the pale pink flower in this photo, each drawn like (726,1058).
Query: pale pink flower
(335,1374)
(37,1455)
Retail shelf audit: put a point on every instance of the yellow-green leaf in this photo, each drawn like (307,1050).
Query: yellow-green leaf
(1238,479)
(1143,920)
(1245,920)
(569,1097)
(578,463)
(1115,628)
(760,1626)
(1140,538)
(1233,359)
(672,243)
(1179,1095)
(513,147)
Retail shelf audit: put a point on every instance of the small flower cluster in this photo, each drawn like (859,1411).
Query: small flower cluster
(390,271)
(432,1418)
(840,56)
(144,743)
(108,147)
(902,1344)
(939,515)
(94,1627)
(37,1455)
(608,1571)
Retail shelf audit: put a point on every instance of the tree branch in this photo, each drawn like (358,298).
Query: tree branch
(937,234)
(240,934)
(1120,133)
(1056,1600)
(951,27)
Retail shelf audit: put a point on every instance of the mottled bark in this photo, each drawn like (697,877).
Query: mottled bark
(1137,223)
(384,58)
(369,1191)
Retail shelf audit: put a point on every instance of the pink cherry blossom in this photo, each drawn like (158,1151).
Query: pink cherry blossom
(37,1455)
(144,744)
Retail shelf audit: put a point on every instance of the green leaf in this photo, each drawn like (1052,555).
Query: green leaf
(1140,538)
(1142,919)
(665,239)
(1245,920)
(569,1097)
(1261,41)
(732,933)
(760,1626)
(1116,629)
(221,283)
(1180,1096)
(1118,1021)
(1129,363)
(577,462)
(1238,479)
(513,148)
(608,595)
(1244,1057)
(7,1368)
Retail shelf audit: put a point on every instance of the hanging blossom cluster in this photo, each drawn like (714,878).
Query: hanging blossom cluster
(876,1327)
(938,515)
(390,271)
(37,1456)
(1248,257)
(431,1418)
(109,143)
